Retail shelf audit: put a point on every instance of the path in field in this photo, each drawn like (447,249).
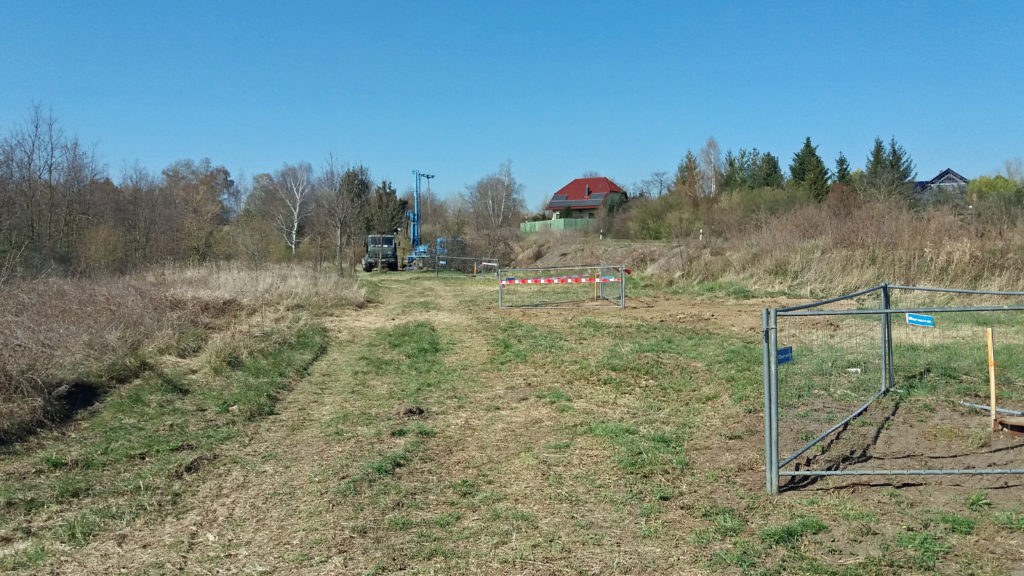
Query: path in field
(266,496)
(270,502)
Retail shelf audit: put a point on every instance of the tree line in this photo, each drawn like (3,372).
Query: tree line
(711,192)
(60,210)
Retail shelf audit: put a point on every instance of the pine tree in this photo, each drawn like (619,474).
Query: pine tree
(876,161)
(842,170)
(769,174)
(898,162)
(809,171)
(688,177)
(889,171)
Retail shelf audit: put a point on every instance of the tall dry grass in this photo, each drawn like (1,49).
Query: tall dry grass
(62,334)
(846,244)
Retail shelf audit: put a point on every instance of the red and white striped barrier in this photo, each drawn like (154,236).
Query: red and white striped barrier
(558,280)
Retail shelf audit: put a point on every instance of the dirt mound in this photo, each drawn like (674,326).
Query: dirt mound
(548,250)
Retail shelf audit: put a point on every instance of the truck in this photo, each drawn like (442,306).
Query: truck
(381,252)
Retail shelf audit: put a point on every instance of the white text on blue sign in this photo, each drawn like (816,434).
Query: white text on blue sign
(920,320)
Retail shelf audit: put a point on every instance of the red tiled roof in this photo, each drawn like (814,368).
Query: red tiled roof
(583,194)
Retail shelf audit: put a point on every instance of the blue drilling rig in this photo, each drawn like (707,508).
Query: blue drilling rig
(420,252)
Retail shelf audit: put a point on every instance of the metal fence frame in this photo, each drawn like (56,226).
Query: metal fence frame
(504,280)
(480,263)
(770,351)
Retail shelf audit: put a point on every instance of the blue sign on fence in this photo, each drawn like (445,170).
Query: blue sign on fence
(920,320)
(784,355)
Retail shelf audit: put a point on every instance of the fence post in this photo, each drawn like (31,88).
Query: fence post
(773,405)
(499,287)
(767,402)
(622,287)
(887,369)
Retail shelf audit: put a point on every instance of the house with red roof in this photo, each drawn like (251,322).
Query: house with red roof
(584,197)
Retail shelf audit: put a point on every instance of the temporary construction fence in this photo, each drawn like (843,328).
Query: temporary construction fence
(465,267)
(562,287)
(836,371)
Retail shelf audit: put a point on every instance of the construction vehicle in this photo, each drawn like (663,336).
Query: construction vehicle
(381,252)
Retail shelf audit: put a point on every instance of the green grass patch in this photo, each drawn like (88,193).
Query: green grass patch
(1013,519)
(790,534)
(642,454)
(958,524)
(928,548)
(517,342)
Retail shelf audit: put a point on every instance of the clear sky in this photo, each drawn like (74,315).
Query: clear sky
(559,88)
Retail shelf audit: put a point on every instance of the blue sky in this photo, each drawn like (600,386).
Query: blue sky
(558,88)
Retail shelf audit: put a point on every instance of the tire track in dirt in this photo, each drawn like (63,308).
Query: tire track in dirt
(267,493)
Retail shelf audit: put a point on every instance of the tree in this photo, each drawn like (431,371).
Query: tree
(496,205)
(46,185)
(343,196)
(808,171)
(842,170)
(199,189)
(285,200)
(711,162)
(898,163)
(689,177)
(385,213)
(768,173)
(653,186)
(876,165)
(889,171)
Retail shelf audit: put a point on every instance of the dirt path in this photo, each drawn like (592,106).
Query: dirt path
(267,497)
(267,492)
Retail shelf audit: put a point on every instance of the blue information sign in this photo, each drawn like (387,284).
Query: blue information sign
(920,320)
(784,355)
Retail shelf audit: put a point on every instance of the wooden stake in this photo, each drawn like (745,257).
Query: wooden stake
(991,379)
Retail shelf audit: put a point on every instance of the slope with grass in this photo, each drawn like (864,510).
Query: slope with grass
(437,434)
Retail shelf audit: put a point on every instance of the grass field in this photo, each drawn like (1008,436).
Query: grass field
(431,433)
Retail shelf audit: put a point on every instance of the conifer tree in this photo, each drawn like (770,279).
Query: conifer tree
(809,171)
(842,170)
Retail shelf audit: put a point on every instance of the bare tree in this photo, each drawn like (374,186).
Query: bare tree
(654,186)
(496,205)
(286,200)
(1014,169)
(711,162)
(198,189)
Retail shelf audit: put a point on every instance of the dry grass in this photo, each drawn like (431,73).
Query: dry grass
(65,341)
(847,244)
(280,285)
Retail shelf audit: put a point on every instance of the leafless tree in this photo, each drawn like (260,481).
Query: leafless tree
(496,206)
(342,196)
(711,162)
(1014,169)
(286,199)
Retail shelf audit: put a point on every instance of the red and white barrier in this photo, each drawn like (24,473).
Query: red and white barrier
(558,280)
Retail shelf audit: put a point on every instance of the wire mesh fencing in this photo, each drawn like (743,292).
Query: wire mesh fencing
(465,267)
(837,373)
(562,287)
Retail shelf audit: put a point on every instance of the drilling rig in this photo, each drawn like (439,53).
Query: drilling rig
(420,252)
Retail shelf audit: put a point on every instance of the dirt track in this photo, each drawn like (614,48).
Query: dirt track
(273,502)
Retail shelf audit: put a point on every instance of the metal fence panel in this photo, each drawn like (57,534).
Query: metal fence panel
(562,287)
(465,267)
(837,371)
